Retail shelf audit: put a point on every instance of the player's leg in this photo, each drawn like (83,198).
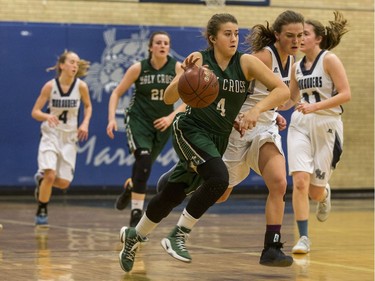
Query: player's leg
(328,143)
(162,182)
(301,208)
(300,162)
(159,207)
(141,174)
(273,170)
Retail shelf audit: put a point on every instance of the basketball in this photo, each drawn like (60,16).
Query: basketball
(198,87)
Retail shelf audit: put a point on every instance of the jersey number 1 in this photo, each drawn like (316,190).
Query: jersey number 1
(316,95)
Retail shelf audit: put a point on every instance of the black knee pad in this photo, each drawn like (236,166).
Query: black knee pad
(141,170)
(205,196)
(163,202)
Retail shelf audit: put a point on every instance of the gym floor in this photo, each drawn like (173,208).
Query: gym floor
(82,242)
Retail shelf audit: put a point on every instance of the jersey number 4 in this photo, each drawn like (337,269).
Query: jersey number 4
(64,116)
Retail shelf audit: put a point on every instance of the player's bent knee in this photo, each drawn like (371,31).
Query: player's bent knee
(225,196)
(62,184)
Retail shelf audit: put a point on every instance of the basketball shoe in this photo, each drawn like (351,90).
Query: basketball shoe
(273,256)
(323,208)
(124,198)
(131,241)
(302,246)
(174,244)
(41,218)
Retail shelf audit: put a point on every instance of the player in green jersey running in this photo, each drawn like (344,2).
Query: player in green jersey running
(148,118)
(200,137)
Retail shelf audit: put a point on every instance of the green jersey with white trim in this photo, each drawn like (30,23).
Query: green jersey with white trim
(219,116)
(148,97)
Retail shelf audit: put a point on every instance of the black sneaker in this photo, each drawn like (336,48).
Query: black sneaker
(273,256)
(125,197)
(135,217)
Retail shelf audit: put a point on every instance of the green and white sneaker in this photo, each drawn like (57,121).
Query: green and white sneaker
(122,236)
(131,243)
(174,244)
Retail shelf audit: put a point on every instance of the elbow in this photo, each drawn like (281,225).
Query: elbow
(170,99)
(33,114)
(285,96)
(348,98)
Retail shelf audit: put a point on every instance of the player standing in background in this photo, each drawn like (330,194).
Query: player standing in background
(200,136)
(147,119)
(260,148)
(319,86)
(60,132)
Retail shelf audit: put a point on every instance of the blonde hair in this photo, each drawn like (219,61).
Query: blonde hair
(83,65)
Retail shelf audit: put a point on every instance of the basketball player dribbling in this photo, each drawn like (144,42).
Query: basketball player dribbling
(200,136)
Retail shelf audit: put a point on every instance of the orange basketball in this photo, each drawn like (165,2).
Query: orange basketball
(198,87)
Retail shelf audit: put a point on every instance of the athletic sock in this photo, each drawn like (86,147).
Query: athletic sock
(272,234)
(137,204)
(186,220)
(145,226)
(42,208)
(302,228)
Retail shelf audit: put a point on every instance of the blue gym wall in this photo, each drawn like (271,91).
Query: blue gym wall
(27,49)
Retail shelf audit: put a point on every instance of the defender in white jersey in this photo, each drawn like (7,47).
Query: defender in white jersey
(260,149)
(319,86)
(60,131)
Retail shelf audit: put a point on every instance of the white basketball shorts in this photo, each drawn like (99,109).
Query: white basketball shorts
(242,154)
(314,145)
(58,152)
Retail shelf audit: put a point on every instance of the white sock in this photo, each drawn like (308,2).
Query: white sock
(145,226)
(137,204)
(186,220)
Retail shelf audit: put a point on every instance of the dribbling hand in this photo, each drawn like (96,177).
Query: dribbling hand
(189,63)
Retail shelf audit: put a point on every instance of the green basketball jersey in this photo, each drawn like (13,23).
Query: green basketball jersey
(219,116)
(148,97)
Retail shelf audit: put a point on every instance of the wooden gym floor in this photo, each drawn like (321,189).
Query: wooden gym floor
(82,243)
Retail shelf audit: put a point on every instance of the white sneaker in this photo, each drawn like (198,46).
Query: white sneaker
(302,246)
(323,208)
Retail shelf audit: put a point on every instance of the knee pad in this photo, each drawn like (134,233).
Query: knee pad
(141,170)
(207,195)
(163,202)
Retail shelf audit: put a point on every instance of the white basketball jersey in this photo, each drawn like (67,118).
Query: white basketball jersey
(315,85)
(65,105)
(257,91)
